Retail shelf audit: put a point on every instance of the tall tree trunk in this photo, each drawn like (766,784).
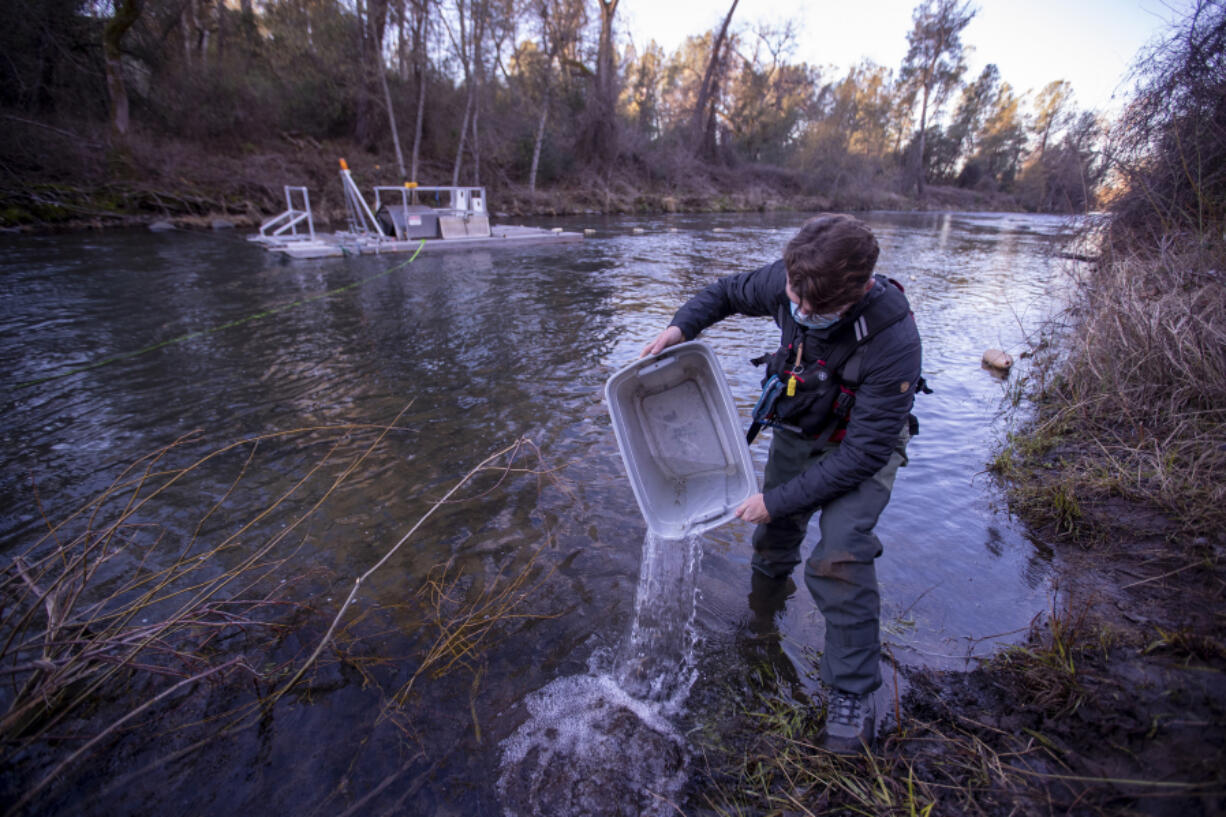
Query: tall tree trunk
(402,70)
(698,124)
(476,143)
(465,61)
(419,68)
(480,10)
(188,22)
(221,32)
(930,79)
(605,130)
(923,135)
(540,136)
(371,44)
(126,14)
(391,121)
(247,25)
(459,151)
(600,137)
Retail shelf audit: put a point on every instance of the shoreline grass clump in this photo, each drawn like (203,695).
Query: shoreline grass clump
(1136,409)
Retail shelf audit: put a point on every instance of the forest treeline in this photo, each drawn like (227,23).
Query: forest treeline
(528,95)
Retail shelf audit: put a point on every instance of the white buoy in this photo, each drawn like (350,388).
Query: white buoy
(637,231)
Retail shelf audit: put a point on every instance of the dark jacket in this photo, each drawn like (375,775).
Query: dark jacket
(888,372)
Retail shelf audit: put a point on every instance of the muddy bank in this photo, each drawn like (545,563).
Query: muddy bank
(1117,704)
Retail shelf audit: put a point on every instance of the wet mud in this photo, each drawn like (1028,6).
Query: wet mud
(1117,702)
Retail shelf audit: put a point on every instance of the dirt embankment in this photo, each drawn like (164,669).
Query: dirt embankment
(1117,703)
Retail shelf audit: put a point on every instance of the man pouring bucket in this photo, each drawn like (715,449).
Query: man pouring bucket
(838,394)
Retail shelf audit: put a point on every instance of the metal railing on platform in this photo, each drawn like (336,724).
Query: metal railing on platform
(291,219)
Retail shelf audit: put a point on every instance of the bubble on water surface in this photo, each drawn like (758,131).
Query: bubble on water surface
(602,744)
(589,749)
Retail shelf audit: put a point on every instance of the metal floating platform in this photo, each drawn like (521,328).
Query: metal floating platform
(445,218)
(330,245)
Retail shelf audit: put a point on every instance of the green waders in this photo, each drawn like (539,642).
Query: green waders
(839,572)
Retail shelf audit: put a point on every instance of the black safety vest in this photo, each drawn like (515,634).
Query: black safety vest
(822,373)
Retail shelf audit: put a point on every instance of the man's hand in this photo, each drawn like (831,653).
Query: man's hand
(754,510)
(669,337)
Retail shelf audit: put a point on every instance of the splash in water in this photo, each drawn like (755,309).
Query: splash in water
(602,743)
(656,661)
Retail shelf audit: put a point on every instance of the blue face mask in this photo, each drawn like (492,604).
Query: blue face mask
(818,321)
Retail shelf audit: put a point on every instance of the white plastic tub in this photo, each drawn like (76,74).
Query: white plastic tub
(681,440)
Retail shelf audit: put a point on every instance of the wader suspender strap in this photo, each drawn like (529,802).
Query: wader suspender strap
(848,358)
(850,362)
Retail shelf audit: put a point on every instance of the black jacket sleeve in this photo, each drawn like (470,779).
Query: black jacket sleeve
(755,292)
(883,401)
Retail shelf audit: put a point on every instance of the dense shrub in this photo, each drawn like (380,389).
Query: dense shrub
(1169,146)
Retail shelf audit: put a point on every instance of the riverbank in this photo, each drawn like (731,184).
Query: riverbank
(60,179)
(1116,702)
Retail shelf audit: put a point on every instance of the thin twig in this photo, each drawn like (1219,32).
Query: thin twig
(357,584)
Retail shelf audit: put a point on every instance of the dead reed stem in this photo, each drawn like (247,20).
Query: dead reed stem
(67,628)
(509,451)
(91,599)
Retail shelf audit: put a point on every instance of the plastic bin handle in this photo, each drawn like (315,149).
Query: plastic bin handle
(657,366)
(706,517)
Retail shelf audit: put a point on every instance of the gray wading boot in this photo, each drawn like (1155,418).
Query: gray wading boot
(851,723)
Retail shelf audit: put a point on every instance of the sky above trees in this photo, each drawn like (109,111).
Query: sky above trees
(1090,43)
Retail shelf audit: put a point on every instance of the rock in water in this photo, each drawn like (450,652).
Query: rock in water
(161,227)
(999,360)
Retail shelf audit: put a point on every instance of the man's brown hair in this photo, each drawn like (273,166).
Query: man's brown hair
(830,261)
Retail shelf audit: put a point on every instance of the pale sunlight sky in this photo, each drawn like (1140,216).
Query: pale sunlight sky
(1090,43)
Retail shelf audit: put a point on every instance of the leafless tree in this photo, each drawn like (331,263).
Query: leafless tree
(466,36)
(1169,145)
(599,140)
(702,126)
(559,23)
(370,42)
(1050,111)
(421,21)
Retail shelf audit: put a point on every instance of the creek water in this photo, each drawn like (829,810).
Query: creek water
(587,706)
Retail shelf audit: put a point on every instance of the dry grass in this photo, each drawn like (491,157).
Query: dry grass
(1137,407)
